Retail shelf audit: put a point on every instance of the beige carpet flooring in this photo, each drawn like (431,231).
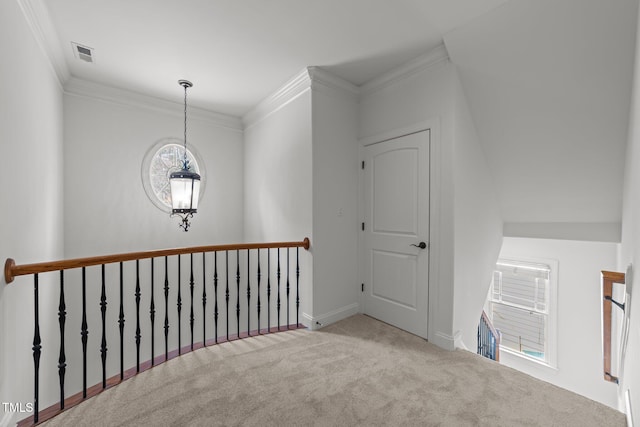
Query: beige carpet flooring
(357,372)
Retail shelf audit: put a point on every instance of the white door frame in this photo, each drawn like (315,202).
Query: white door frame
(433,125)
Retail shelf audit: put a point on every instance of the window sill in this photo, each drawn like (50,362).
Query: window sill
(525,363)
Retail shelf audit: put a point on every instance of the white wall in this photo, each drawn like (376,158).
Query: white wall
(519,65)
(335,203)
(31,202)
(278,180)
(107,134)
(301,180)
(478,224)
(630,252)
(579,304)
(424,96)
(466,227)
(108,210)
(277,188)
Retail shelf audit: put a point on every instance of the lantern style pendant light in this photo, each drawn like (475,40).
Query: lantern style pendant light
(185,184)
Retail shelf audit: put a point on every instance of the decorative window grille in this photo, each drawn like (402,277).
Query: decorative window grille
(519,305)
(164,157)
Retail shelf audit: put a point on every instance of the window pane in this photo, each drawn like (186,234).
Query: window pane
(521,330)
(523,284)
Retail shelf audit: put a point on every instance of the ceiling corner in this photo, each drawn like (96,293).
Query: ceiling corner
(325,80)
(37,17)
(278,99)
(427,60)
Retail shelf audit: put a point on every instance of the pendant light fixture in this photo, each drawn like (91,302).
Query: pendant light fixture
(185,184)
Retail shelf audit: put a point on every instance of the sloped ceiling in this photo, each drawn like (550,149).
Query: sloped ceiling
(549,83)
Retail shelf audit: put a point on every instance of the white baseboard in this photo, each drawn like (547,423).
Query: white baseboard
(317,322)
(445,341)
(459,343)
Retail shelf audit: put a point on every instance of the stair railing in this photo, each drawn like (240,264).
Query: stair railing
(265,280)
(608,279)
(488,339)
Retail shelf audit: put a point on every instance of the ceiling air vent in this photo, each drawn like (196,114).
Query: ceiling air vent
(84,53)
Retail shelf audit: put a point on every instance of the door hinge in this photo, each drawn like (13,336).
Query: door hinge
(363,164)
(363,226)
(362,288)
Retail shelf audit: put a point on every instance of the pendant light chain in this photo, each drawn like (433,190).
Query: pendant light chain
(185,184)
(185,126)
(185,84)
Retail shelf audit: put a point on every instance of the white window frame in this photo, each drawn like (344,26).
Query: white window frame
(551,333)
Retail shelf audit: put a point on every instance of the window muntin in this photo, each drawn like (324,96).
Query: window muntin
(165,161)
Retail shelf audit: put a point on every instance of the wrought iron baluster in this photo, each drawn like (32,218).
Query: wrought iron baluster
(166,308)
(288,287)
(191,286)
(488,342)
(215,291)
(238,292)
(179,306)
(103,344)
(258,302)
(297,286)
(248,296)
(137,295)
(121,323)
(37,349)
(204,300)
(62,359)
(268,289)
(227,292)
(485,342)
(278,279)
(152,316)
(84,333)
(483,332)
(481,339)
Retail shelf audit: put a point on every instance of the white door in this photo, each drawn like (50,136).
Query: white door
(396,225)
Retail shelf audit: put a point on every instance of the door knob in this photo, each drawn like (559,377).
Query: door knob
(421,245)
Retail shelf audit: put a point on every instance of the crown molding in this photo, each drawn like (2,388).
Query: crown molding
(37,17)
(313,78)
(92,90)
(423,62)
(324,81)
(295,87)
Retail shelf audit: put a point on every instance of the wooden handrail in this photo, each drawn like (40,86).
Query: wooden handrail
(11,270)
(608,279)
